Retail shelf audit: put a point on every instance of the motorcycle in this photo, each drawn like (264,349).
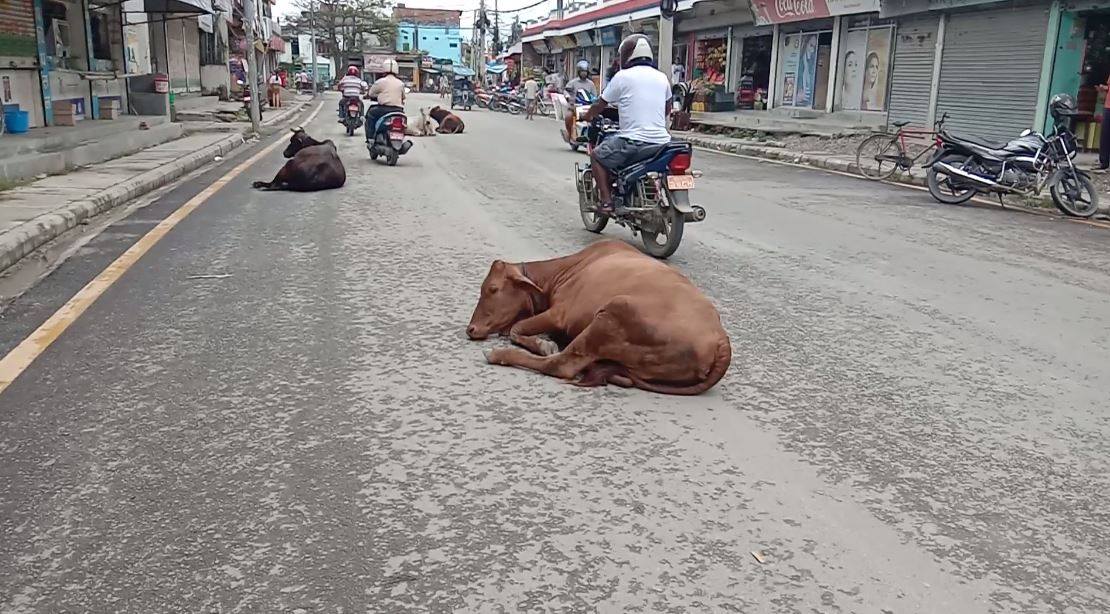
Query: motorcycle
(389,140)
(247,100)
(582,103)
(655,193)
(352,117)
(964,166)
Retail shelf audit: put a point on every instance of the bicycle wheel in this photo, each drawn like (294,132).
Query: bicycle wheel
(878,156)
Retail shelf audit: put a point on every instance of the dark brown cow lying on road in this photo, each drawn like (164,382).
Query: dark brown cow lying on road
(449,123)
(314,165)
(627,319)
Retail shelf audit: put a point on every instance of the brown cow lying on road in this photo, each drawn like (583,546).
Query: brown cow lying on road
(313,165)
(627,319)
(449,123)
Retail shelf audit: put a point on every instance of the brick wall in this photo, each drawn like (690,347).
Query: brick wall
(17,28)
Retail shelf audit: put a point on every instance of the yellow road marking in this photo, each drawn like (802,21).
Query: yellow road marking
(16,362)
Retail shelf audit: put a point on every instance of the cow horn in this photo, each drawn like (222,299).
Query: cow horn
(296,130)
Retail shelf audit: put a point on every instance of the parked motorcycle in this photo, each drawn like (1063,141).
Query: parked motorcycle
(655,193)
(389,140)
(352,115)
(247,99)
(965,166)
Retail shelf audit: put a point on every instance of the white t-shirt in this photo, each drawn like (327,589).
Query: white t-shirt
(641,95)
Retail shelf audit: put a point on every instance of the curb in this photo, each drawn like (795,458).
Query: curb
(32,234)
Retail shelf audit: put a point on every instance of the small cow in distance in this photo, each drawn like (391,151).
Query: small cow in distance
(313,165)
(617,317)
(449,123)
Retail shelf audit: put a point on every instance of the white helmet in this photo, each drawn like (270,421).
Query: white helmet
(391,66)
(633,47)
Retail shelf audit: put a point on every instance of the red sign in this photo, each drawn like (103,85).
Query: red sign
(782,11)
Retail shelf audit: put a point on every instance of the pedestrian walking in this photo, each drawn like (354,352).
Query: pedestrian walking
(531,97)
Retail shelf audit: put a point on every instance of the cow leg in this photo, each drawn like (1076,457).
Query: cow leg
(278,182)
(582,352)
(525,333)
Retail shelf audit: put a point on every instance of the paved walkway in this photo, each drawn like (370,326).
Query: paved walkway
(33,214)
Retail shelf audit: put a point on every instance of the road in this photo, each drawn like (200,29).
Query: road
(914,421)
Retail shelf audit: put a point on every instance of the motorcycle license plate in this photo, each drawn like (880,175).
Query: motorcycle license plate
(396,136)
(353,108)
(680,182)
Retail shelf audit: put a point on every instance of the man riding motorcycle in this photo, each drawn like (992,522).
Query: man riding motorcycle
(581,82)
(389,91)
(642,96)
(351,86)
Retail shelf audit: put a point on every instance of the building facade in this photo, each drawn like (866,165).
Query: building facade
(433,33)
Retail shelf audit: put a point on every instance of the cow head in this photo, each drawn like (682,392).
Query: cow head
(298,141)
(506,298)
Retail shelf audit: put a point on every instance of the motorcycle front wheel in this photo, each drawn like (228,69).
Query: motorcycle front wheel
(940,184)
(593,221)
(1075,195)
(664,243)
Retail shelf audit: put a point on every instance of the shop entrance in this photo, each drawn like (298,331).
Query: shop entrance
(755,61)
(1081,65)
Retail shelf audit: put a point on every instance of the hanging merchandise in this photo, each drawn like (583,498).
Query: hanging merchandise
(710,59)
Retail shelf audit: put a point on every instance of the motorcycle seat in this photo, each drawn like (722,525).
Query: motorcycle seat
(981,142)
(649,160)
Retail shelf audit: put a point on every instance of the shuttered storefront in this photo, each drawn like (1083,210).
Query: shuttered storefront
(192,53)
(991,68)
(912,77)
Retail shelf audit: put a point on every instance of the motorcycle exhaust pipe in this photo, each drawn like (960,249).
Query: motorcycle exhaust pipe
(983,181)
(696,215)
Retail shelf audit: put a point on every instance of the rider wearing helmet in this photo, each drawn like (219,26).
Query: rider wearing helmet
(642,96)
(350,86)
(389,91)
(581,82)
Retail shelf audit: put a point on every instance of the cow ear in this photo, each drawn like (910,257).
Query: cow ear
(518,277)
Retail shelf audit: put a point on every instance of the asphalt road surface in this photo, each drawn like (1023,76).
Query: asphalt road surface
(915,419)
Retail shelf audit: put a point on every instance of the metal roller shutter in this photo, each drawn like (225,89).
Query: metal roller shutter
(990,70)
(912,77)
(192,54)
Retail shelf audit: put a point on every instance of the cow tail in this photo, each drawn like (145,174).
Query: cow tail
(716,372)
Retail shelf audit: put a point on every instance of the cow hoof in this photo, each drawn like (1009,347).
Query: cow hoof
(548,347)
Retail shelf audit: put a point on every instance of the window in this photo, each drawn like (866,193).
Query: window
(212,51)
(295,46)
(454,45)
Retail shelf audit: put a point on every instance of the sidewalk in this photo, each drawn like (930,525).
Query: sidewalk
(837,157)
(33,214)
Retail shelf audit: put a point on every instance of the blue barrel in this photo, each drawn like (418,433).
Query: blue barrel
(16,121)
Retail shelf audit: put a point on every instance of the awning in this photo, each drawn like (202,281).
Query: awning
(429,70)
(496,68)
(277,43)
(462,71)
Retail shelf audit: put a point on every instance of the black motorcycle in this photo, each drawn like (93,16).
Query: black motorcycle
(965,166)
(387,138)
(351,114)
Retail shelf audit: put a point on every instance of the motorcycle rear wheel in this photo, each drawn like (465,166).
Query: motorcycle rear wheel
(673,224)
(392,157)
(593,221)
(1075,195)
(350,129)
(940,185)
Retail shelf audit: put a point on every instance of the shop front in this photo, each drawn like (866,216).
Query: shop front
(827,55)
(1081,66)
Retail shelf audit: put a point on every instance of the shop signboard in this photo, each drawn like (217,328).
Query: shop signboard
(799,67)
(375,62)
(583,39)
(540,47)
(768,12)
(610,36)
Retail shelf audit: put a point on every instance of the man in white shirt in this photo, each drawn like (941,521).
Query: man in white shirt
(350,86)
(642,96)
(389,92)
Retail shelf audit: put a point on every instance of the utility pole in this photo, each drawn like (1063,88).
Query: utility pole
(481,55)
(252,68)
(496,29)
(559,9)
(312,25)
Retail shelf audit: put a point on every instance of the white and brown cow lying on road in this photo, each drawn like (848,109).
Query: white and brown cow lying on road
(622,318)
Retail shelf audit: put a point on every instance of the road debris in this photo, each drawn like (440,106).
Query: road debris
(758,555)
(210,276)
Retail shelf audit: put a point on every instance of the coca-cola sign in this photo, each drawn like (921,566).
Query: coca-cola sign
(783,11)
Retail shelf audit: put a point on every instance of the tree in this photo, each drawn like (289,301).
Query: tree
(346,27)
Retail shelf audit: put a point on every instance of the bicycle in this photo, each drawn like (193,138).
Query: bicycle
(889,150)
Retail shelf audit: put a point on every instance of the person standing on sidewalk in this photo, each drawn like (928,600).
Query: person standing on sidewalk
(275,90)
(1104,131)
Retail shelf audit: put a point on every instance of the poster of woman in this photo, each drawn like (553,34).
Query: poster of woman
(851,81)
(807,72)
(790,55)
(876,68)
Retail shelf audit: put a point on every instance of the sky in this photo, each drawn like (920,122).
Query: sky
(285,7)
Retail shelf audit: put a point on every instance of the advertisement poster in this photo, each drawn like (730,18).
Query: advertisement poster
(807,72)
(851,80)
(792,48)
(876,70)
